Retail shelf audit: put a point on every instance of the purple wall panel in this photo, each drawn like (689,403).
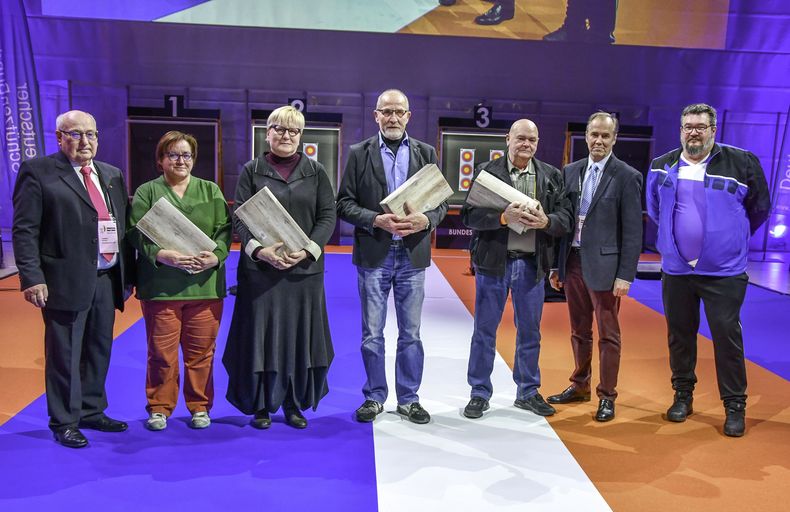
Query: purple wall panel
(551,83)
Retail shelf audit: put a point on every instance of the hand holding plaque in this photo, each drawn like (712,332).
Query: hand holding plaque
(490,192)
(270,223)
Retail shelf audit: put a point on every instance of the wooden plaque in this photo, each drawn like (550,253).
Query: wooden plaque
(168,228)
(424,191)
(269,222)
(488,191)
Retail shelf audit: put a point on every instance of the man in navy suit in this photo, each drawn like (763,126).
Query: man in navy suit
(390,252)
(69,222)
(597,260)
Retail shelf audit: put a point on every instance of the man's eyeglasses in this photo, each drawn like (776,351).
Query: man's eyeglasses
(280,130)
(388,112)
(687,128)
(173,157)
(78,135)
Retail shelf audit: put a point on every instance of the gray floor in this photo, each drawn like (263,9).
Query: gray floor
(770,270)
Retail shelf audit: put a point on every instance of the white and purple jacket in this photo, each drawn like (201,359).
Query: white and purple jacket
(736,200)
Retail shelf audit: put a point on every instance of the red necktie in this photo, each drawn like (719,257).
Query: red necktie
(97,200)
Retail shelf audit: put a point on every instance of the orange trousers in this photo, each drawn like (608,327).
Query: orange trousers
(192,324)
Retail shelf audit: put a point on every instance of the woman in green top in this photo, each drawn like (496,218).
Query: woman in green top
(181,294)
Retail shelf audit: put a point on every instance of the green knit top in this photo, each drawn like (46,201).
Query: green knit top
(204,205)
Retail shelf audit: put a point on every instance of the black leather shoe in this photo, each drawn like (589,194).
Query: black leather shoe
(474,409)
(71,438)
(496,15)
(294,418)
(681,407)
(605,410)
(446,2)
(103,423)
(735,424)
(368,411)
(571,394)
(535,404)
(261,420)
(414,413)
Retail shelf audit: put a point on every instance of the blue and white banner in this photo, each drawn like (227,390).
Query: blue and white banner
(21,137)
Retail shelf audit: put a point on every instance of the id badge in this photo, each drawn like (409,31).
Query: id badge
(577,236)
(108,236)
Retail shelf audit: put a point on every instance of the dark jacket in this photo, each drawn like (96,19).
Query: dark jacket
(56,229)
(362,188)
(612,232)
(307,196)
(489,249)
(737,202)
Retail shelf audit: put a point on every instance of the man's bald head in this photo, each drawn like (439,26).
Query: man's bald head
(522,142)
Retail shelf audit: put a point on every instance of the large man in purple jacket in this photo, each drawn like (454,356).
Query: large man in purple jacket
(707,199)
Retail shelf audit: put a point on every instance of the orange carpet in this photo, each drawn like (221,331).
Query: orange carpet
(639,462)
(22,352)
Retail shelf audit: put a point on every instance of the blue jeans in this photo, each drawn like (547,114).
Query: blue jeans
(490,298)
(408,285)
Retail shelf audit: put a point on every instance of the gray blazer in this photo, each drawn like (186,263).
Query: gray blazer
(612,232)
(363,186)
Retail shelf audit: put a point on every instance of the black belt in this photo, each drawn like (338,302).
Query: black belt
(104,271)
(518,255)
(576,250)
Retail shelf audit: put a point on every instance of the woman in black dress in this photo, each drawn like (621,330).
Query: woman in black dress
(279,347)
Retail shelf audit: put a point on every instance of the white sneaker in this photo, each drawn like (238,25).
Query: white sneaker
(200,420)
(156,421)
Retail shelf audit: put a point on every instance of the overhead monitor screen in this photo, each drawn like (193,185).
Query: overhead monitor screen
(714,24)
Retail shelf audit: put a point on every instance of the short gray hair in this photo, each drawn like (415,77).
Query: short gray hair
(61,119)
(393,91)
(699,108)
(603,114)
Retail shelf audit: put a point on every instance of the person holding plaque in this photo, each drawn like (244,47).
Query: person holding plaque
(514,262)
(181,294)
(391,253)
(279,346)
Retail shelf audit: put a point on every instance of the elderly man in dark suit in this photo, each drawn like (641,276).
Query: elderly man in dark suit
(69,222)
(390,252)
(507,262)
(597,261)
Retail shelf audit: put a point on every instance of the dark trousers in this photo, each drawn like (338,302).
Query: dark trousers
(77,349)
(583,303)
(722,298)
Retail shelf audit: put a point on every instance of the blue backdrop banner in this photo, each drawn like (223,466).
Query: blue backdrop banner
(21,137)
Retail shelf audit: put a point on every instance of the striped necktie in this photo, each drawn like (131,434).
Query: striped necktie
(590,181)
(97,200)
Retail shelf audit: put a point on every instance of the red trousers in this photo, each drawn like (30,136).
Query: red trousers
(583,303)
(192,324)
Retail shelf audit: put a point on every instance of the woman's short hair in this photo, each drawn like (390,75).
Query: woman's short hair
(171,138)
(286,116)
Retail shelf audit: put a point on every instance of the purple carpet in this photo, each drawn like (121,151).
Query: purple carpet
(763,318)
(230,466)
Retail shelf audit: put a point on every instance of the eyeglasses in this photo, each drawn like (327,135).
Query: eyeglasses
(78,135)
(173,157)
(388,112)
(280,130)
(687,128)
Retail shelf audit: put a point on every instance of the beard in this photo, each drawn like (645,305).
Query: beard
(696,150)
